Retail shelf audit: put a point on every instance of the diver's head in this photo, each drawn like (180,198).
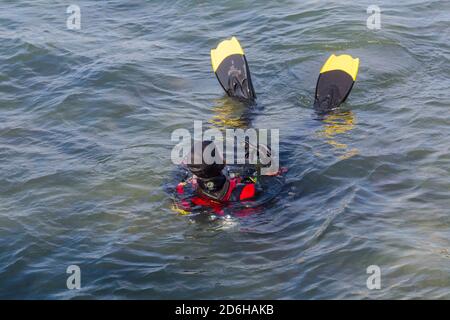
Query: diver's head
(205,169)
(209,173)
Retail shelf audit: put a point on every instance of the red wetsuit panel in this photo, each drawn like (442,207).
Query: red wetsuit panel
(180,188)
(232,186)
(200,201)
(248,192)
(245,192)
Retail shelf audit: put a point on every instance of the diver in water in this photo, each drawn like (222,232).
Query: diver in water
(208,185)
(212,185)
(216,186)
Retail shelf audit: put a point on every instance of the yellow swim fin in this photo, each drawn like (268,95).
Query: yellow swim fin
(335,82)
(231,69)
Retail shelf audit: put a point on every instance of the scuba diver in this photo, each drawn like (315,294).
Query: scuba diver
(206,185)
(216,186)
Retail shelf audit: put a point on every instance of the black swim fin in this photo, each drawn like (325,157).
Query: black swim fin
(335,82)
(231,69)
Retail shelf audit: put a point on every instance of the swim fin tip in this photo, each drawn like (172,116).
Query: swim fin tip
(335,82)
(231,69)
